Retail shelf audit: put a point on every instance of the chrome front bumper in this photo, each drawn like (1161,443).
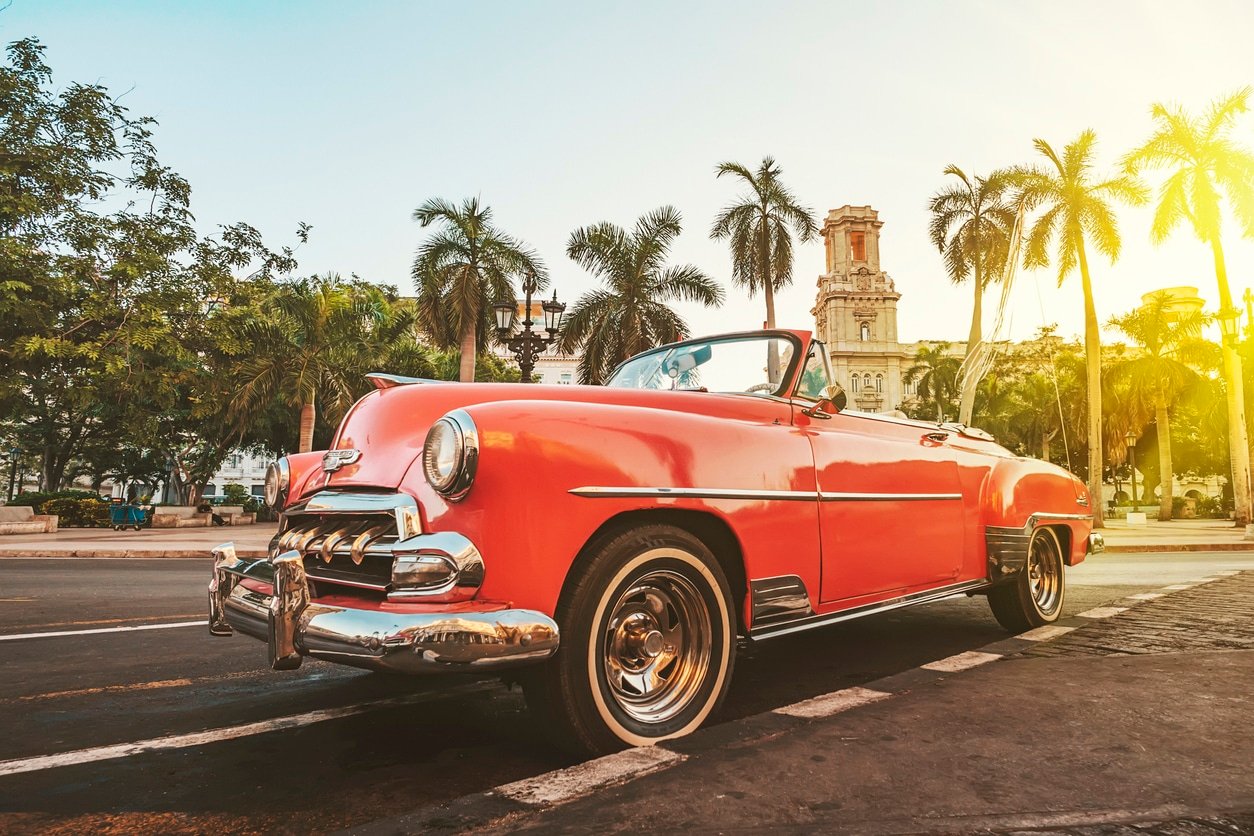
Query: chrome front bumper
(294,626)
(1097,544)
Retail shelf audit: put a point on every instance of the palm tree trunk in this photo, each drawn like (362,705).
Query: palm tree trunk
(969,381)
(466,372)
(768,291)
(308,413)
(1164,460)
(1238,443)
(1093,358)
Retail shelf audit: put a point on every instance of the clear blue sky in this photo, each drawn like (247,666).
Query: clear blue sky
(348,115)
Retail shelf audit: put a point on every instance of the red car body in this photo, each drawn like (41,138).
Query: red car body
(815,515)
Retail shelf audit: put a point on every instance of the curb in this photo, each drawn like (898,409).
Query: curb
(554,789)
(123,553)
(1133,548)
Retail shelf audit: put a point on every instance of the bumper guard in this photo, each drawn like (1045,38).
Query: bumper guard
(294,626)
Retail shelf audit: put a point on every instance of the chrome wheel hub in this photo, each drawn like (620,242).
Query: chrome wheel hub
(1045,574)
(657,646)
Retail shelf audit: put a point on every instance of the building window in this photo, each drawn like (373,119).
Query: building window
(566,378)
(879,383)
(865,331)
(855,381)
(857,243)
(866,382)
(211,489)
(258,490)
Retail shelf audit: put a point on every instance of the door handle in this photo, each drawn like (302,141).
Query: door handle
(938,437)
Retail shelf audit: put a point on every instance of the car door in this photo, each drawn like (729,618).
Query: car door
(890,510)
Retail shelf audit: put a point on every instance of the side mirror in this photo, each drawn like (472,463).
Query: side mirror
(836,394)
(834,400)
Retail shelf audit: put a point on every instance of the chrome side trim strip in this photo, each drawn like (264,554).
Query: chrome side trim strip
(886,497)
(1044,515)
(771,631)
(600,492)
(597,492)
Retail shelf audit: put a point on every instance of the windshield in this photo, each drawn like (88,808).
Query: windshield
(757,364)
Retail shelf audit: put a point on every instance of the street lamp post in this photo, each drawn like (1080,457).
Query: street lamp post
(527,345)
(1130,438)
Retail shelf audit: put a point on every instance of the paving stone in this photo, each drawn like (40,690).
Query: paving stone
(1214,616)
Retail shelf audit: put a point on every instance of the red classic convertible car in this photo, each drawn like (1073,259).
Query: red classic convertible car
(613,542)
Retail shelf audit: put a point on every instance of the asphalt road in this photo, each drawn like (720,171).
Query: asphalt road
(324,747)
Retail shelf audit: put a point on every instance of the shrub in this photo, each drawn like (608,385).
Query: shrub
(78,512)
(239,495)
(37,498)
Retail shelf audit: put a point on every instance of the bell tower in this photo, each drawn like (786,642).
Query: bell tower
(855,310)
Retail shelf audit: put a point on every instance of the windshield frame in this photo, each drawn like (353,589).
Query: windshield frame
(787,378)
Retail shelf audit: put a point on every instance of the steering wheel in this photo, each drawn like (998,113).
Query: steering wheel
(761,387)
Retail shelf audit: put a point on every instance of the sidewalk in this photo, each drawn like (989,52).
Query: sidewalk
(1139,716)
(250,541)
(1175,536)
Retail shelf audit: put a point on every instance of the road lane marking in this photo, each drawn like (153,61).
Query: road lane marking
(1049,631)
(24,600)
(104,689)
(137,618)
(98,630)
(583,779)
(1102,612)
(826,705)
(962,661)
(183,741)
(1146,596)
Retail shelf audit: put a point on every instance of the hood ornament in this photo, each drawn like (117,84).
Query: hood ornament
(333,460)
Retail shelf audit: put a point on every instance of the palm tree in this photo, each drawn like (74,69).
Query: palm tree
(305,341)
(1207,166)
(936,372)
(758,227)
(980,220)
(1077,210)
(461,270)
(1171,347)
(629,314)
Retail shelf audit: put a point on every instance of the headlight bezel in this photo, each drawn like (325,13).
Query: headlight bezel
(461,476)
(278,482)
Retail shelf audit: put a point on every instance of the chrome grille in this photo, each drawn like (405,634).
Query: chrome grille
(353,550)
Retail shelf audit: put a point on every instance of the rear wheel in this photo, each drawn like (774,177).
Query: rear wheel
(1034,598)
(648,641)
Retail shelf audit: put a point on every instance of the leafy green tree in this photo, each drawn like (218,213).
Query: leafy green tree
(1077,209)
(1206,165)
(465,267)
(1171,348)
(630,313)
(971,225)
(102,276)
(759,227)
(936,373)
(313,341)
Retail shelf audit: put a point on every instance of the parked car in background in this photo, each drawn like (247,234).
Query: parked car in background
(609,545)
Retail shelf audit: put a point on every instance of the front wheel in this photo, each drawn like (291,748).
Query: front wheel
(1034,598)
(648,643)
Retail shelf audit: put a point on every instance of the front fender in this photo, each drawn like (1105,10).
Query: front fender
(530,527)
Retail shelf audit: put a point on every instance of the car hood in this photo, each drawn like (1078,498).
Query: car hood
(388,426)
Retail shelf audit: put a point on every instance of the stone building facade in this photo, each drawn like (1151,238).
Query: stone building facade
(855,314)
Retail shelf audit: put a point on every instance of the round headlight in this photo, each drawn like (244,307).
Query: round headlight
(451,453)
(278,480)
